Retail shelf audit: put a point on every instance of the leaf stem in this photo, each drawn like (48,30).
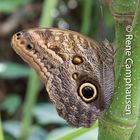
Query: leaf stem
(120,119)
(31,97)
(86,17)
(136,30)
(48,13)
(1,132)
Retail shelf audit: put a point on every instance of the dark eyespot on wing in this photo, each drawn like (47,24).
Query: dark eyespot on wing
(77,60)
(29,46)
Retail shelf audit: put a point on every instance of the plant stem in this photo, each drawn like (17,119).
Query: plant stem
(86,17)
(136,133)
(48,13)
(1,132)
(31,97)
(136,24)
(120,119)
(34,83)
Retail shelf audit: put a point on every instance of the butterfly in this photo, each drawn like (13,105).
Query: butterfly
(77,71)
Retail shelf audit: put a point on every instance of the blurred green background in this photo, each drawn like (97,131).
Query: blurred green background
(25,109)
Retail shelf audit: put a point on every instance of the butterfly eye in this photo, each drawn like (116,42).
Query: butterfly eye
(88,92)
(29,46)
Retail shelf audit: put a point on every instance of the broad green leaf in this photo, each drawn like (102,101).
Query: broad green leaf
(53,135)
(90,135)
(11,104)
(7,6)
(69,133)
(37,133)
(78,133)
(8,137)
(13,70)
(46,114)
(13,128)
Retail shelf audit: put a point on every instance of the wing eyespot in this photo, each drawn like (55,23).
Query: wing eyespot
(75,76)
(77,60)
(88,92)
(29,46)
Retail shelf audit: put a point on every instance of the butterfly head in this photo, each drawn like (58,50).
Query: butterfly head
(23,43)
(31,47)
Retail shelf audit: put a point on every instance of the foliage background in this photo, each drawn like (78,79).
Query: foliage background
(26,112)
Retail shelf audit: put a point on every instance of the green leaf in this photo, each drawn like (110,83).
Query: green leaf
(13,71)
(8,137)
(53,135)
(90,135)
(12,128)
(85,133)
(7,6)
(46,114)
(11,104)
(69,133)
(37,133)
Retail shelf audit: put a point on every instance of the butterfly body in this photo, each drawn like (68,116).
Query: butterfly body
(77,71)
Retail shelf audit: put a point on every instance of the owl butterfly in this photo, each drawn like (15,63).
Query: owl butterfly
(77,71)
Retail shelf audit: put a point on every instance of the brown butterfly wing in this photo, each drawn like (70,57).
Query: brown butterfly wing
(97,67)
(60,55)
